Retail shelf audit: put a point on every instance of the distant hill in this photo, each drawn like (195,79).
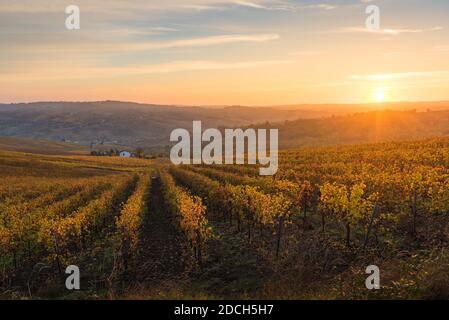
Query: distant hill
(41,146)
(125,124)
(340,109)
(122,123)
(377,126)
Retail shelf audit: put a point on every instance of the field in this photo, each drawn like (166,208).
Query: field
(141,229)
(41,146)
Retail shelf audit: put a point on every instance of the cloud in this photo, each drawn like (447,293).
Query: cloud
(383,31)
(250,4)
(208,41)
(85,72)
(123,6)
(88,45)
(109,5)
(323,6)
(179,66)
(125,32)
(398,76)
(281,5)
(127,5)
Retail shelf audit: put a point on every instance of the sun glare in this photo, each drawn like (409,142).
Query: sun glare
(379,94)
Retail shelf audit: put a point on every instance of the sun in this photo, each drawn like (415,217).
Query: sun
(380,94)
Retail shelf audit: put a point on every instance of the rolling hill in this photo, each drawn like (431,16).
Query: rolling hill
(124,124)
(370,127)
(41,146)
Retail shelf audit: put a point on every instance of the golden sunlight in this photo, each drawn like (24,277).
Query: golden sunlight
(380,94)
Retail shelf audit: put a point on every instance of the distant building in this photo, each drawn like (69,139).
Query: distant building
(125,154)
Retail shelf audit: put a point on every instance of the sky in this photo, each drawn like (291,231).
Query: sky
(216,52)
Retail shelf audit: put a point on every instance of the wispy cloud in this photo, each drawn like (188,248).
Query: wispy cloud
(145,5)
(208,41)
(281,5)
(85,72)
(250,4)
(179,66)
(323,6)
(386,31)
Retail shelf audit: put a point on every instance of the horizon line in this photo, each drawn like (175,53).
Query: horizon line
(233,105)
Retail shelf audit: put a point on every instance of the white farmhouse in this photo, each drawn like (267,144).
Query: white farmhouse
(125,154)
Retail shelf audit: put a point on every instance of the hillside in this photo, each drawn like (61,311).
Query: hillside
(41,146)
(121,124)
(364,128)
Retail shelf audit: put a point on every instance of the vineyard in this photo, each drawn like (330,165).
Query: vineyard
(147,229)
(58,211)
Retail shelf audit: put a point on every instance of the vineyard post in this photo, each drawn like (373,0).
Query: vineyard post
(230,217)
(14,257)
(261,233)
(305,212)
(348,234)
(58,262)
(249,232)
(200,256)
(125,252)
(83,241)
(238,223)
(195,249)
(371,222)
(279,237)
(250,219)
(225,213)
(29,249)
(306,194)
(414,212)
(323,220)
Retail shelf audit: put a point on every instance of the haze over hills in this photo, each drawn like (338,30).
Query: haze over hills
(133,125)
(370,127)
(365,107)
(125,123)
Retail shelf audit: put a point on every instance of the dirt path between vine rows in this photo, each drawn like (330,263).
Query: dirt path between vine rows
(165,268)
(161,261)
